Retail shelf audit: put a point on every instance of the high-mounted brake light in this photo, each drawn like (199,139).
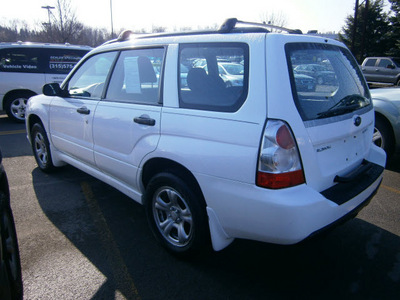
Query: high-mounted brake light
(279,164)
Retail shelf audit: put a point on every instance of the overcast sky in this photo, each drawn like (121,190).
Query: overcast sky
(321,15)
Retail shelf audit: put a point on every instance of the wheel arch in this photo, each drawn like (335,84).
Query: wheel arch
(10,94)
(158,165)
(30,121)
(388,124)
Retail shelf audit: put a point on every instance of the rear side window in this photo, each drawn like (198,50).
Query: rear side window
(39,60)
(326,80)
(213,76)
(136,76)
(61,61)
(24,60)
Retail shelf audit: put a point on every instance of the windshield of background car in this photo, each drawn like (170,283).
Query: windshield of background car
(397,61)
(326,80)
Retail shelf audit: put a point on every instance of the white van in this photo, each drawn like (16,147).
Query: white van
(276,157)
(26,67)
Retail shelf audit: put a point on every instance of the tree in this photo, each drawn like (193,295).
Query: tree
(395,25)
(371,35)
(63,26)
(277,19)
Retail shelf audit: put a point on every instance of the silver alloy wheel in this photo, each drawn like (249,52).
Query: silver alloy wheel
(378,139)
(172,216)
(41,149)
(18,107)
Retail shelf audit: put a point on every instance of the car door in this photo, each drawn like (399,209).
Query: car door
(370,69)
(71,117)
(127,122)
(387,71)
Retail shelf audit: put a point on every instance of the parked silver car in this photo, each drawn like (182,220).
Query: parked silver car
(387,118)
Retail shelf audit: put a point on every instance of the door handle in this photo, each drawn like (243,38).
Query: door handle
(144,120)
(83,110)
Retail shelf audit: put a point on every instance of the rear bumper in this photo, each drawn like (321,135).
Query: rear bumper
(285,216)
(351,215)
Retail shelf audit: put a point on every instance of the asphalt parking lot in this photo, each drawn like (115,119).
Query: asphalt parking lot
(81,239)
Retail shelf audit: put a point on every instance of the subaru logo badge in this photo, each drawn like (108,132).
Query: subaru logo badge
(357,121)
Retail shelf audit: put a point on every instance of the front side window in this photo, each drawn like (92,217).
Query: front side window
(384,63)
(326,80)
(89,80)
(24,60)
(136,76)
(213,76)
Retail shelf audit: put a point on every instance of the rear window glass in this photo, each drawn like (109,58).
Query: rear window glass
(213,76)
(326,80)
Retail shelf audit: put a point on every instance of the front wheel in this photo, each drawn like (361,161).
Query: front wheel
(383,136)
(41,148)
(176,214)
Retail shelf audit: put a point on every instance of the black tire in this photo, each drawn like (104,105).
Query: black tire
(177,216)
(12,283)
(15,106)
(41,148)
(383,136)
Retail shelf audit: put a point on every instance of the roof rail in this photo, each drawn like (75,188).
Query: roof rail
(230,24)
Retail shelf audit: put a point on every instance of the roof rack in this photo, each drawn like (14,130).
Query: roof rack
(230,25)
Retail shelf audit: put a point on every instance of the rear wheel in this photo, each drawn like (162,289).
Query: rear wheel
(176,214)
(15,106)
(41,148)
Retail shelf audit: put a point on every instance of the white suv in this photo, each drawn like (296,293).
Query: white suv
(26,67)
(266,159)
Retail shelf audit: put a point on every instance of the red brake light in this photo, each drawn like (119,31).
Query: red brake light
(279,164)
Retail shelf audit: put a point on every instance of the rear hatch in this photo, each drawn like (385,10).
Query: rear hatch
(334,103)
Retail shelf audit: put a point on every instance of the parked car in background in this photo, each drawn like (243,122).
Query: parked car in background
(10,266)
(382,70)
(387,118)
(26,67)
(304,83)
(260,160)
(319,72)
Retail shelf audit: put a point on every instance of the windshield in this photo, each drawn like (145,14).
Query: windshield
(326,80)
(396,61)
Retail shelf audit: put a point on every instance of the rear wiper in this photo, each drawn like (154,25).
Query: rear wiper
(346,105)
(338,111)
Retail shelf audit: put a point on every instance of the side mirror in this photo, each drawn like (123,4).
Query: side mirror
(54,89)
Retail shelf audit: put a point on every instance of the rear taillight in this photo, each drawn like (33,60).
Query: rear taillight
(279,164)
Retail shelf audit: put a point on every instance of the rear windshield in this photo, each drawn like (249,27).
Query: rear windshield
(326,80)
